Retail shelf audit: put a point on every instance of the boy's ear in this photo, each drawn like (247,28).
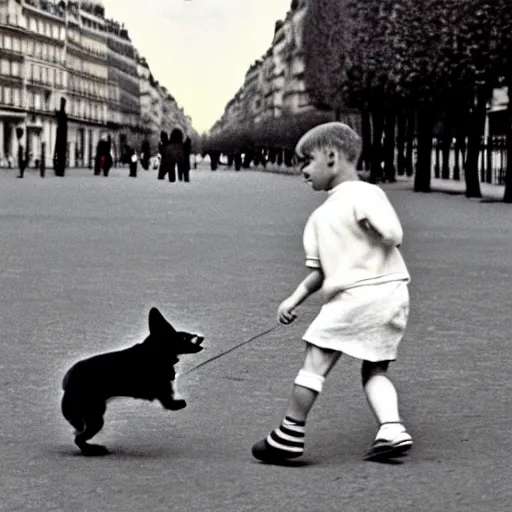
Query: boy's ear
(158,323)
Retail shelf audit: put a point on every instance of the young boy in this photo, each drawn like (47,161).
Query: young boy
(351,243)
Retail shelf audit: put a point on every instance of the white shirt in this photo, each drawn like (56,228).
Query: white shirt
(335,241)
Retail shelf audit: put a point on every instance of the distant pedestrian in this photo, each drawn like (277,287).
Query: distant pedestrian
(145,155)
(103,161)
(133,163)
(22,161)
(184,172)
(351,244)
(173,156)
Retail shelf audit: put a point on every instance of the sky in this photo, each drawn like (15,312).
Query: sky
(199,49)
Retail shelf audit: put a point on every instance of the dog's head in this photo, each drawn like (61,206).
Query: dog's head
(176,342)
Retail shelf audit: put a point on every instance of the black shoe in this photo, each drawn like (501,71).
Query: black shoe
(266,453)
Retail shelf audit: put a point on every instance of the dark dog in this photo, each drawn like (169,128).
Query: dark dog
(145,371)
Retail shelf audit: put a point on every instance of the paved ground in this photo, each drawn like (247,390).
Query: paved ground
(82,260)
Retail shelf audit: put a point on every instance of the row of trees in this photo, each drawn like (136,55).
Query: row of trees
(412,69)
(407,65)
(270,140)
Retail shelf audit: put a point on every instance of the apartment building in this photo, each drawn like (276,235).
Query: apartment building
(87,81)
(274,85)
(123,90)
(51,49)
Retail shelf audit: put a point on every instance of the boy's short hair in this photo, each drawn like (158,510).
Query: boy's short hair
(334,135)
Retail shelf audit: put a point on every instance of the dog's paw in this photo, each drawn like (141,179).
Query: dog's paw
(176,405)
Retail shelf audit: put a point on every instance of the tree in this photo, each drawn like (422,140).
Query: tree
(325,39)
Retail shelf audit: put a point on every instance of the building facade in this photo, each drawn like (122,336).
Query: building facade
(51,49)
(124,91)
(274,85)
(87,82)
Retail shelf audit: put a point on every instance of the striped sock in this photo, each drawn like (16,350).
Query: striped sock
(288,438)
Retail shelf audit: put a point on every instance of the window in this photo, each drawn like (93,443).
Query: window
(7,96)
(1,93)
(15,68)
(30,47)
(6,67)
(38,50)
(16,44)
(37,101)
(7,42)
(35,72)
(48,30)
(32,24)
(59,78)
(55,31)
(44,75)
(17,97)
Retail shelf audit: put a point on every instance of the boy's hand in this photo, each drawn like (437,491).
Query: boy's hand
(285,313)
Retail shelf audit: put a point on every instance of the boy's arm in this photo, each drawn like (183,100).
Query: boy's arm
(311,284)
(380,220)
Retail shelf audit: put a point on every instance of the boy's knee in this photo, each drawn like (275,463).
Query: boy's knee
(318,360)
(371,368)
(310,380)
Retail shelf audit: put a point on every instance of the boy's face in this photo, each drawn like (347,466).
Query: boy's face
(322,168)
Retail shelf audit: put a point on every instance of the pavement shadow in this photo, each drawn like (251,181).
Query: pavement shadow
(287,463)
(115,453)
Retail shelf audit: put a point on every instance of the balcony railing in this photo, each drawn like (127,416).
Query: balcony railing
(13,20)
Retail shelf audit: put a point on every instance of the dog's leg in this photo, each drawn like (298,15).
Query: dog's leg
(169,397)
(71,413)
(93,424)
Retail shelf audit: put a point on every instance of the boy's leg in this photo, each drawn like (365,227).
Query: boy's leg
(287,441)
(392,439)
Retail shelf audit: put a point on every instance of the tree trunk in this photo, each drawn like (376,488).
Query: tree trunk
(401,129)
(424,163)
(366,129)
(376,157)
(460,149)
(476,131)
(411,130)
(446,145)
(507,197)
(389,146)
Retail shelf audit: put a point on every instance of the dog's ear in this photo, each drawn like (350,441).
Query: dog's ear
(157,323)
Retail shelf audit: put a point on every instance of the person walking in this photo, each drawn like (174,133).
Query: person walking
(103,161)
(173,156)
(187,150)
(22,161)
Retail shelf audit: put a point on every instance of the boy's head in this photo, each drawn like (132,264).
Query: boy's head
(329,153)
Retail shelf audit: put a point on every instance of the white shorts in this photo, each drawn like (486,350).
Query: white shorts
(366,322)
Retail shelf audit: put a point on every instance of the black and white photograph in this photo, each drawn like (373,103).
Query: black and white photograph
(255,255)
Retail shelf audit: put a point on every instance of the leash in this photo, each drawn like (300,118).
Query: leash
(222,354)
